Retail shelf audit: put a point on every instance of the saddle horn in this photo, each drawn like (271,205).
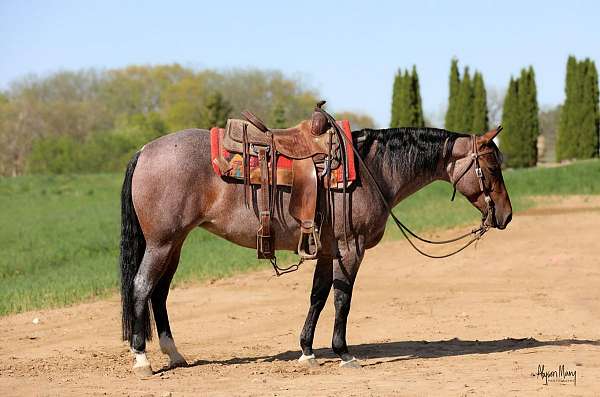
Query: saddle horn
(320,104)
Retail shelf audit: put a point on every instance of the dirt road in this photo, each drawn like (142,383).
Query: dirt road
(479,323)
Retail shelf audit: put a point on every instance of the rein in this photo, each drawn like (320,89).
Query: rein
(476,234)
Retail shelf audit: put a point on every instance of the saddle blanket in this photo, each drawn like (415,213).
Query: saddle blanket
(227,164)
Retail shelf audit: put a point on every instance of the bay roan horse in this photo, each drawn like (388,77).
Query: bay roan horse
(170,188)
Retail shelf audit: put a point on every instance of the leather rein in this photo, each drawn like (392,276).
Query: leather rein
(476,234)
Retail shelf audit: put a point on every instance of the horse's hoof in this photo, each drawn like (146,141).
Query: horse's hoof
(352,363)
(142,371)
(308,361)
(178,362)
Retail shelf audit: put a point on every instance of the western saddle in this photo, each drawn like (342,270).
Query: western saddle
(316,147)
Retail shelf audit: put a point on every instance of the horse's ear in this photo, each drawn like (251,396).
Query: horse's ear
(490,135)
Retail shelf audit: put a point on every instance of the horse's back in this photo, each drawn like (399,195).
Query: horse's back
(170,176)
(180,143)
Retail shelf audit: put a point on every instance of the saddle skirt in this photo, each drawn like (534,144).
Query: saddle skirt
(227,155)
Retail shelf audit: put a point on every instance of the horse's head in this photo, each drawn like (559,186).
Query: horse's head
(475,171)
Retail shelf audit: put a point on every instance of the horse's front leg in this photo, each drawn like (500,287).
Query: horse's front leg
(322,280)
(345,269)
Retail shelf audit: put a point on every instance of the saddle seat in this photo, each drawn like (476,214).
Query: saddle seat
(307,139)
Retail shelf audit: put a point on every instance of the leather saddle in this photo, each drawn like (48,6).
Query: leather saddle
(307,139)
(315,147)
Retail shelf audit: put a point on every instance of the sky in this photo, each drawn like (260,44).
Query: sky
(348,50)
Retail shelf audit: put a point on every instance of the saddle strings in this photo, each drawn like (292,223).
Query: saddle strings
(246,163)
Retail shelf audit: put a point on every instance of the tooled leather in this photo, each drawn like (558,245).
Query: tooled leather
(296,142)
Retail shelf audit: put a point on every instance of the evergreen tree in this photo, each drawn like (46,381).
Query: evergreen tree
(217,110)
(417,106)
(520,121)
(566,141)
(396,99)
(467,101)
(587,140)
(404,101)
(279,120)
(407,109)
(595,93)
(464,115)
(454,86)
(529,116)
(480,109)
(511,139)
(578,128)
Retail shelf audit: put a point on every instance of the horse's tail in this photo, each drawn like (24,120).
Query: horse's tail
(133,245)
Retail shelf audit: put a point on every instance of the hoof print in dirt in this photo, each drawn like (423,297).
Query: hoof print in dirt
(144,372)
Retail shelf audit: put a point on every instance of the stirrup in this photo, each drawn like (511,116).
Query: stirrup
(264,247)
(309,244)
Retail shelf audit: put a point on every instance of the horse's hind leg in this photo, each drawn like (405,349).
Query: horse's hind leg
(161,317)
(321,287)
(151,270)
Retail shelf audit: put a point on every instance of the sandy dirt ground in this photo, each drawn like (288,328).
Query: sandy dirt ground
(481,323)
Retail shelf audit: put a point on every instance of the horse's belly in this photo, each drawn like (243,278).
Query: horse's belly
(241,229)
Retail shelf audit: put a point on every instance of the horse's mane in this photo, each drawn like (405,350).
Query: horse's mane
(409,151)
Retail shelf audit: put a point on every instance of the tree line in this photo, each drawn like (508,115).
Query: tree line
(93,120)
(579,117)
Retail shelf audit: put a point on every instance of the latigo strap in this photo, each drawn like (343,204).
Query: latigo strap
(264,242)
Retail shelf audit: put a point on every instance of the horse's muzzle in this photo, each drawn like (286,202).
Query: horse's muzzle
(498,222)
(501,224)
(492,219)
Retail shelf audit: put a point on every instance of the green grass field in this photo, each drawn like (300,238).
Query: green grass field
(59,235)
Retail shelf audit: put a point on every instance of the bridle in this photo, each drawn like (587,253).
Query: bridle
(474,155)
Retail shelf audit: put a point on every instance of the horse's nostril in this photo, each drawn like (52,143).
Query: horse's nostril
(502,225)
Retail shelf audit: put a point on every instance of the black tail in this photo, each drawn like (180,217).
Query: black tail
(133,245)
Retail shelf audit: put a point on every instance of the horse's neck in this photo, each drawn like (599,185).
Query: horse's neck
(397,186)
(409,186)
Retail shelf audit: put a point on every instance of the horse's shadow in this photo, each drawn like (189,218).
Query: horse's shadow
(409,350)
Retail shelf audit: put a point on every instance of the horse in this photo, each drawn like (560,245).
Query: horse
(170,188)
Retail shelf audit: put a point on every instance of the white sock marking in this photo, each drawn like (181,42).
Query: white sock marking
(141,360)
(303,357)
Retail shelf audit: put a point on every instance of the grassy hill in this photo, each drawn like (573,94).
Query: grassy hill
(59,234)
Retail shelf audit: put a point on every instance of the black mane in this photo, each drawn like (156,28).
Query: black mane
(409,151)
